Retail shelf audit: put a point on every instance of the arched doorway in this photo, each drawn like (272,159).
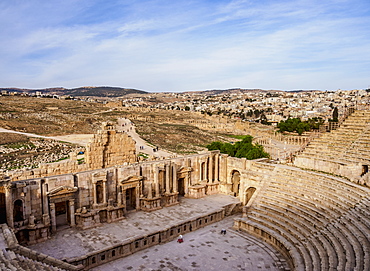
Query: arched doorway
(18,210)
(2,209)
(235,180)
(248,194)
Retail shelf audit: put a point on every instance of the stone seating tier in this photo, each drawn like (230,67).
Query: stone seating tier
(299,231)
(13,261)
(324,217)
(328,180)
(303,249)
(347,145)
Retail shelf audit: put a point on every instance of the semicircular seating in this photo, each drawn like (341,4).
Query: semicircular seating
(321,222)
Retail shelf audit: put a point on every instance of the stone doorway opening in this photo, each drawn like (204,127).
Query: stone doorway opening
(61,213)
(2,209)
(18,210)
(181,186)
(235,180)
(131,199)
(365,169)
(248,194)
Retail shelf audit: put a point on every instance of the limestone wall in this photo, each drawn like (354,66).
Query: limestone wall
(110,148)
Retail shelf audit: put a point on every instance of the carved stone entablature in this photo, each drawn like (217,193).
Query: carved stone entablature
(184,171)
(131,181)
(62,190)
(101,174)
(133,178)
(203,159)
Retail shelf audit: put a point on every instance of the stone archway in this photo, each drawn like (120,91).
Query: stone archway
(235,183)
(248,194)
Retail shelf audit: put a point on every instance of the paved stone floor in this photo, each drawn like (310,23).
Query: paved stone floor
(204,249)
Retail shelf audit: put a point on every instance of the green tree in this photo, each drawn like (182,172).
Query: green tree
(244,148)
(228,148)
(215,145)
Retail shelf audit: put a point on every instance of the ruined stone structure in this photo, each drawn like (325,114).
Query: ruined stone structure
(109,148)
(35,208)
(317,221)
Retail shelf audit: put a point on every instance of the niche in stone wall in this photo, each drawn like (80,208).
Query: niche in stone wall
(235,180)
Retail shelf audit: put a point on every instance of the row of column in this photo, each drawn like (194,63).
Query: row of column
(170,177)
(104,183)
(210,171)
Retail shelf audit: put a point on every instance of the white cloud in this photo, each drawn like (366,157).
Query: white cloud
(283,45)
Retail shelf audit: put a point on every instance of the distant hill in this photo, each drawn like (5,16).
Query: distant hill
(81,91)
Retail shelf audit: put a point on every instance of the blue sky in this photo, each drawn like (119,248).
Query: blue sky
(167,45)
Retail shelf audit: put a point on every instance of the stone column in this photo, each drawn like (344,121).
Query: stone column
(206,170)
(72,212)
(44,200)
(94,192)
(150,192)
(9,206)
(155,174)
(200,171)
(124,197)
(53,217)
(167,168)
(174,178)
(137,190)
(104,191)
(217,157)
(211,169)
(187,183)
(119,199)
(157,194)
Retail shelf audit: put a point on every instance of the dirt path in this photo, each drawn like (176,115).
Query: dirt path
(2,130)
(142,146)
(124,125)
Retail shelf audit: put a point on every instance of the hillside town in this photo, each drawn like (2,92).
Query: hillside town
(265,106)
(257,105)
